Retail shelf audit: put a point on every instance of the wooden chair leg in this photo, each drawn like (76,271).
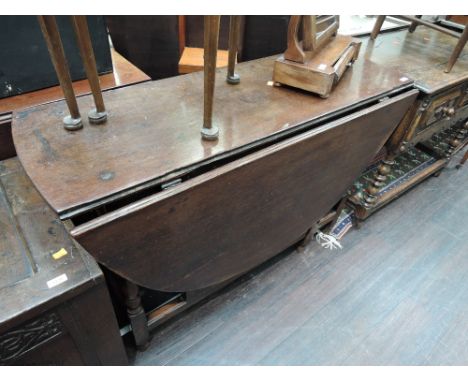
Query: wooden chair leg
(51,34)
(234,30)
(211,35)
(137,315)
(377,26)
(413,25)
(458,48)
(99,114)
(463,160)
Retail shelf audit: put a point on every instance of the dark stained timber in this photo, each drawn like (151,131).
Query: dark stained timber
(228,220)
(153,132)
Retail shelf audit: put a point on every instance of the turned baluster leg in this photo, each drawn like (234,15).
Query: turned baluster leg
(370,194)
(211,33)
(137,315)
(234,30)
(377,26)
(99,114)
(51,34)
(463,160)
(458,48)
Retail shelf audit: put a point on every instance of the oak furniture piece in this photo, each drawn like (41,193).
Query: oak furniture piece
(317,61)
(55,307)
(415,21)
(434,128)
(166,210)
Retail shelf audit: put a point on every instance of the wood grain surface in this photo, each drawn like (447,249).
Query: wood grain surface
(153,129)
(421,55)
(224,222)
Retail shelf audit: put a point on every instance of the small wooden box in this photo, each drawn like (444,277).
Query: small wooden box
(323,71)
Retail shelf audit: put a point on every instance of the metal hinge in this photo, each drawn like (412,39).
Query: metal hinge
(171,183)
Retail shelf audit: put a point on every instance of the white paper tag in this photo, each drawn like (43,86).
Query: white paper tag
(403,79)
(57,280)
(322,66)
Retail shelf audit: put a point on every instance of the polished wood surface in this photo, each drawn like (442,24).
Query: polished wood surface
(123,74)
(421,55)
(187,237)
(415,21)
(153,132)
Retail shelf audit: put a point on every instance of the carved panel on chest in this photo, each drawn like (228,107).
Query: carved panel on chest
(15,343)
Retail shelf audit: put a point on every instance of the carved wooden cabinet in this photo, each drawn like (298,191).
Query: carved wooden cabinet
(433,129)
(54,304)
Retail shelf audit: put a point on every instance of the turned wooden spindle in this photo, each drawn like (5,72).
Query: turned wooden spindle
(234,30)
(80,25)
(51,34)
(211,34)
(370,194)
(136,315)
(377,26)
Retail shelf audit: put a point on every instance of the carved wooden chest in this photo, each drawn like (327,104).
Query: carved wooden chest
(54,304)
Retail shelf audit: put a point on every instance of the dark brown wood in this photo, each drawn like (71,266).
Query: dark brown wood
(211,33)
(51,34)
(234,34)
(55,310)
(173,122)
(401,303)
(463,160)
(433,124)
(124,73)
(181,27)
(80,26)
(197,235)
(137,315)
(7,148)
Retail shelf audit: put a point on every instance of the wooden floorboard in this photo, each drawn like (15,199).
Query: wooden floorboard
(397,294)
